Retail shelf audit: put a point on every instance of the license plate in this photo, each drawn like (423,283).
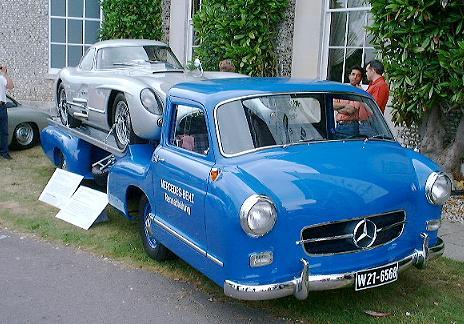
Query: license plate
(376,277)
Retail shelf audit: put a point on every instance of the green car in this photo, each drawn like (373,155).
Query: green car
(24,124)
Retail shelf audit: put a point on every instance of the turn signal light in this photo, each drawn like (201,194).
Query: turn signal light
(214,174)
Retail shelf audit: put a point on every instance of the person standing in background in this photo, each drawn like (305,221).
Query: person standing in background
(378,87)
(5,84)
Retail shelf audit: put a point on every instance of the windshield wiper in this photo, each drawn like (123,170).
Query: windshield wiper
(378,136)
(123,64)
(301,141)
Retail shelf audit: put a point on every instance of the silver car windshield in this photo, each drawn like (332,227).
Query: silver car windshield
(158,57)
(282,120)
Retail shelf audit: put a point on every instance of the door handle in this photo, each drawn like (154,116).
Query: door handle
(156,158)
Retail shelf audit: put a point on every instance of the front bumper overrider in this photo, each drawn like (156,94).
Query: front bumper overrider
(300,287)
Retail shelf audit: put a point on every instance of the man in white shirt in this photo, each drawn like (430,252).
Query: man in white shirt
(5,84)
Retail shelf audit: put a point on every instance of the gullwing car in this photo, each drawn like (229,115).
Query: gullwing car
(120,87)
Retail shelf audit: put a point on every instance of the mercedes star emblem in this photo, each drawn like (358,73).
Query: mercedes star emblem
(364,234)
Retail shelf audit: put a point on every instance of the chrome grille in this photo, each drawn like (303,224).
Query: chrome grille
(339,237)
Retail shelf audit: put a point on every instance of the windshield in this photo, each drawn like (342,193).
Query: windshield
(157,56)
(297,118)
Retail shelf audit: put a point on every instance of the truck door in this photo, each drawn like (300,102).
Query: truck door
(183,163)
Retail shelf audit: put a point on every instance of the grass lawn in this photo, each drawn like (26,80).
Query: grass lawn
(435,295)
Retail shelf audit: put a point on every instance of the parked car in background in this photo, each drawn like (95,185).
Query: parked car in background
(24,124)
(120,86)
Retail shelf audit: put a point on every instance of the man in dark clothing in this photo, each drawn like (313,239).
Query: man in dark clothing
(5,84)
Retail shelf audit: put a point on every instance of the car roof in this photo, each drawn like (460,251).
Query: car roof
(210,93)
(127,42)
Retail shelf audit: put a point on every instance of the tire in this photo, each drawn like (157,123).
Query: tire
(63,111)
(152,247)
(62,106)
(123,133)
(25,135)
(60,159)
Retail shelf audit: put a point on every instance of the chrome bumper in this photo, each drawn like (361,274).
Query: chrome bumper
(299,287)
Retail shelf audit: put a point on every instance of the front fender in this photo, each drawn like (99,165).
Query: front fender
(132,170)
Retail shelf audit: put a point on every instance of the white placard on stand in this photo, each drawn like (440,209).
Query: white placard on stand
(60,188)
(84,207)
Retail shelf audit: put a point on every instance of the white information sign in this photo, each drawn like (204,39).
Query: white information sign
(84,207)
(60,188)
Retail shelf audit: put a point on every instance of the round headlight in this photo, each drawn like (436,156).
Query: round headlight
(148,99)
(257,215)
(438,188)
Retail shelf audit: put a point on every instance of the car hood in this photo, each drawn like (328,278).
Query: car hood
(341,178)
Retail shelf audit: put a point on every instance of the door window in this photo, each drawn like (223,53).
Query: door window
(190,131)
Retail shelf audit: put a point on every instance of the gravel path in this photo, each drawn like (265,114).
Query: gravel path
(454,209)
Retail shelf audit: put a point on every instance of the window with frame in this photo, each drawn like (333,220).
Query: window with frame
(74,27)
(349,42)
(191,132)
(195,6)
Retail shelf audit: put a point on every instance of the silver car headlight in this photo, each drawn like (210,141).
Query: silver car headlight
(148,99)
(257,215)
(438,188)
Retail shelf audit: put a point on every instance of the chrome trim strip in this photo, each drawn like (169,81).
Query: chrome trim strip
(266,94)
(390,226)
(180,237)
(82,106)
(353,219)
(215,260)
(329,238)
(80,115)
(80,100)
(188,242)
(300,286)
(96,110)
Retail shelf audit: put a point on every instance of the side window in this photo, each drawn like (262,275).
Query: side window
(190,131)
(87,60)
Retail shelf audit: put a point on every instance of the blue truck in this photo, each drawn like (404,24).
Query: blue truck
(259,184)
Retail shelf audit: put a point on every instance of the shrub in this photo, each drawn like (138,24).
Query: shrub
(241,30)
(131,19)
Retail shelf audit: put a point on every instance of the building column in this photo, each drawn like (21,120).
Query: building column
(308,39)
(178,28)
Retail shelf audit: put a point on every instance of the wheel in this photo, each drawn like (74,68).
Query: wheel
(62,106)
(63,111)
(153,248)
(60,159)
(123,133)
(25,135)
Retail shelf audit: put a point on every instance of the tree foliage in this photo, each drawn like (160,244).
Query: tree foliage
(422,45)
(131,19)
(241,30)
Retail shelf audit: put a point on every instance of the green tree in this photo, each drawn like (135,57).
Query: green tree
(241,30)
(422,45)
(131,19)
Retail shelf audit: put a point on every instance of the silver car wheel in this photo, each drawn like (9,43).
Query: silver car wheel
(122,121)
(63,107)
(24,134)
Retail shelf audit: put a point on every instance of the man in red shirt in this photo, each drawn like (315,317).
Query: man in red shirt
(378,88)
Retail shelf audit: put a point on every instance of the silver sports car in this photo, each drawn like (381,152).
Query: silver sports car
(24,124)
(120,87)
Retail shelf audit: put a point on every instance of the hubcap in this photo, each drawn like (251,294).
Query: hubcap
(122,121)
(149,227)
(24,134)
